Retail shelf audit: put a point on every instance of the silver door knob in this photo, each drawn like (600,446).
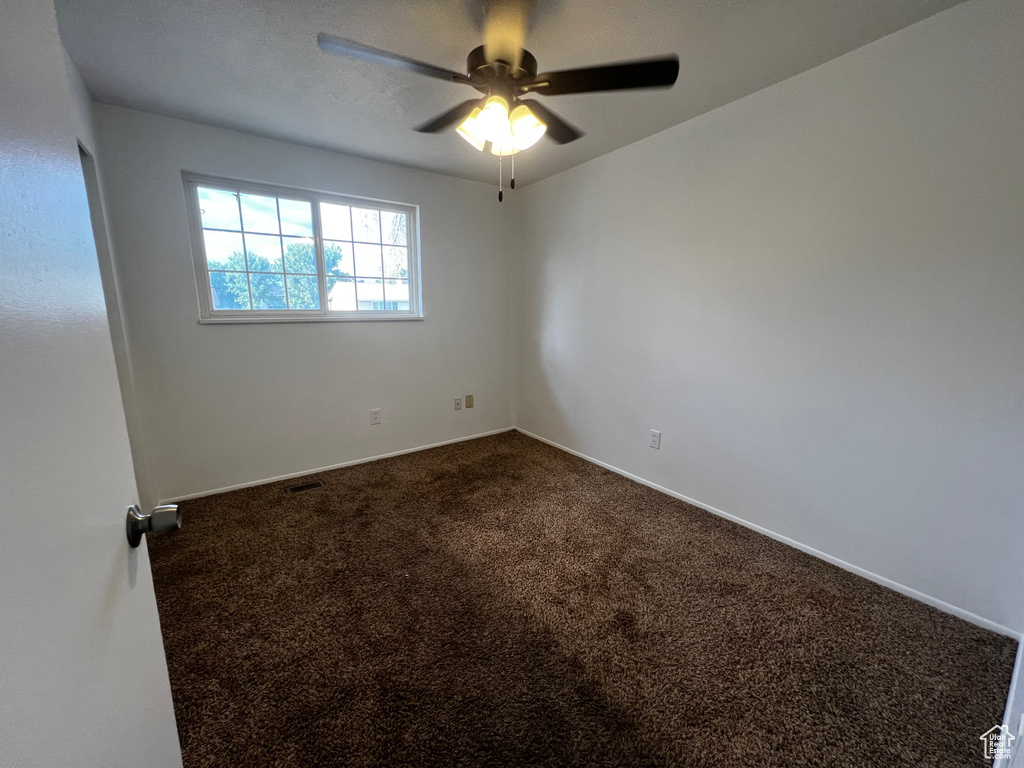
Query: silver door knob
(162,519)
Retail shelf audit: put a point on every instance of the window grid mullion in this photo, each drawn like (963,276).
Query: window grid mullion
(321,256)
(383,285)
(352,232)
(245,250)
(284,264)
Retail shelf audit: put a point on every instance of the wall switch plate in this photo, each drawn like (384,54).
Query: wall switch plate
(655,440)
(375,416)
(469,401)
(458,403)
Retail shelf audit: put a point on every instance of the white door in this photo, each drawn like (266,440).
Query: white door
(83,680)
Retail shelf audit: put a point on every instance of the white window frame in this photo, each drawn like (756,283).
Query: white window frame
(207,314)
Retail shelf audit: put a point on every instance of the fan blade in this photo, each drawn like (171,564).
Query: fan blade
(342,47)
(451,117)
(654,73)
(505,23)
(558,129)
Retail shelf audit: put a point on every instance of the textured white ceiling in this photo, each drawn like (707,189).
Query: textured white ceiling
(253,65)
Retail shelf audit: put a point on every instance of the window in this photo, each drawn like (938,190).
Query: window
(267,254)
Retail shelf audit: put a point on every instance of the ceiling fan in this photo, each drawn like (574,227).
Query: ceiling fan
(504,72)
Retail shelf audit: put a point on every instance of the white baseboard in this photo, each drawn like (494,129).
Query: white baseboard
(902,589)
(305,472)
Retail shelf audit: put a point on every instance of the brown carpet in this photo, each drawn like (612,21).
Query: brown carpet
(502,603)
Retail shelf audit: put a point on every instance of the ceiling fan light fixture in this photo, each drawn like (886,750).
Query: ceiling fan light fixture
(493,119)
(471,131)
(505,146)
(526,128)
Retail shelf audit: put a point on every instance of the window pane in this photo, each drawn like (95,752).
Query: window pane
(338,257)
(218,209)
(267,291)
(335,222)
(230,290)
(264,252)
(223,250)
(392,227)
(303,292)
(368,260)
(299,255)
(396,262)
(341,294)
(396,291)
(368,292)
(296,217)
(365,225)
(259,214)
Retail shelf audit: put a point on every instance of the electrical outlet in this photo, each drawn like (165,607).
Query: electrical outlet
(469,401)
(375,416)
(458,403)
(655,440)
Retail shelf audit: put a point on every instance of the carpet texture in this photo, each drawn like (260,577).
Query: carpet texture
(501,603)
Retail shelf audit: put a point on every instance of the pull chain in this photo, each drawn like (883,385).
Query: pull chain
(499,179)
(513,184)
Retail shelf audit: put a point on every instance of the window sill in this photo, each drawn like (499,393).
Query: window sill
(382,317)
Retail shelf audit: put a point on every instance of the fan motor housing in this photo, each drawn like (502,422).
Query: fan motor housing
(485,76)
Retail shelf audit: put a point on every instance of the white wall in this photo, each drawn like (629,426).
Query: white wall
(817,294)
(229,404)
(83,680)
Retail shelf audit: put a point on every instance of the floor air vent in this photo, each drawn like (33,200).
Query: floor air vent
(305,487)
